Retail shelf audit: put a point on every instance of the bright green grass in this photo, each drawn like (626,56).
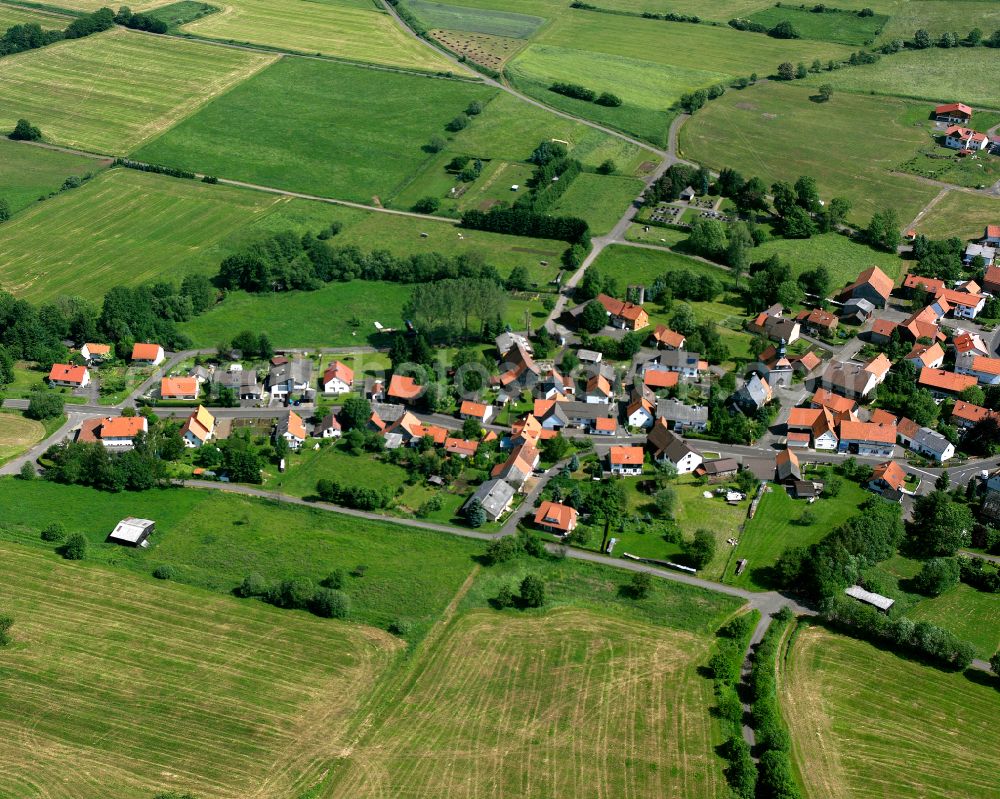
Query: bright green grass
(182,12)
(960,214)
(111,92)
(314,127)
(970,614)
(333,463)
(938,163)
(600,200)
(849,704)
(15,15)
(491,22)
(321,318)
(775,527)
(357,30)
(775,131)
(660,236)
(646,88)
(936,18)
(214,539)
(135,686)
(122,227)
(510,129)
(17,434)
(934,75)
(843,258)
(846,28)
(28,173)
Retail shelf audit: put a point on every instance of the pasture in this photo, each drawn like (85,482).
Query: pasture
(16,15)
(599,199)
(775,131)
(960,214)
(122,227)
(312,126)
(935,75)
(117,686)
(29,173)
(17,433)
(937,18)
(492,22)
(968,613)
(843,258)
(830,26)
(850,705)
(567,703)
(357,30)
(111,92)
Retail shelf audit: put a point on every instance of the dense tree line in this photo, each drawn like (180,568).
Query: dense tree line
(140,22)
(30,36)
(940,258)
(352,496)
(300,593)
(523,222)
(455,302)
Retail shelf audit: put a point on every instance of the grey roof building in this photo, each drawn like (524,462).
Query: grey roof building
(752,395)
(291,376)
(681,416)
(495,496)
(242,382)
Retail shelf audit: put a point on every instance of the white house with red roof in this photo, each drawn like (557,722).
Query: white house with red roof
(953,112)
(991,237)
(960,138)
(114,432)
(338,378)
(985,370)
(94,353)
(69,376)
(626,460)
(147,354)
(556,518)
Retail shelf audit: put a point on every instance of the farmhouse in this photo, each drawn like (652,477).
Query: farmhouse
(965,302)
(985,370)
(786,467)
(625,460)
(667,339)
(95,353)
(624,315)
(866,438)
(888,479)
(604,426)
(198,428)
(495,497)
(857,311)
(953,112)
(915,283)
(806,362)
(883,603)
(517,366)
(242,382)
(991,236)
(944,384)
(62,374)
(667,446)
(132,532)
(292,429)
(114,432)
(852,380)
(555,518)
(179,388)
(773,324)
(840,407)
(147,354)
(929,355)
(958,137)
(873,285)
(817,321)
(816,424)
(519,465)
(338,378)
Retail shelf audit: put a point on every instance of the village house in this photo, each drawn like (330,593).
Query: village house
(944,384)
(805,363)
(929,355)
(198,428)
(179,388)
(289,377)
(965,415)
(589,356)
(966,302)
(958,137)
(932,444)
(114,432)
(991,236)
(840,407)
(292,429)
(888,479)
(556,518)
(625,460)
(69,376)
(519,465)
(598,390)
(624,315)
(479,411)
(813,426)
(753,395)
(495,497)
(95,353)
(552,384)
(965,342)
(658,380)
(640,413)
(603,426)
(773,324)
(683,362)
(786,467)
(873,285)
(774,366)
(132,532)
(912,284)
(866,438)
(329,427)
(682,418)
(666,446)
(987,253)
(991,279)
(853,380)
(147,355)
(817,321)
(461,447)
(985,370)
(667,339)
(718,470)
(403,388)
(507,341)
(953,112)
(338,378)
(517,366)
(242,382)
(856,311)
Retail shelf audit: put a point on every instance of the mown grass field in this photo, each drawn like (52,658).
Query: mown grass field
(122,227)
(357,30)
(332,463)
(116,686)
(937,18)
(776,132)
(15,15)
(599,199)
(846,28)
(850,706)
(215,539)
(960,214)
(322,318)
(968,613)
(844,259)
(568,703)
(111,92)
(935,75)
(775,527)
(27,173)
(17,433)
(315,127)
(492,22)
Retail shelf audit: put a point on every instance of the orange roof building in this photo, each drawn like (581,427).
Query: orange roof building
(198,427)
(179,388)
(147,354)
(867,438)
(338,378)
(556,518)
(64,374)
(665,337)
(840,407)
(403,387)
(966,415)
(941,382)
(462,447)
(624,314)
(114,432)
(657,379)
(873,285)
(931,355)
(626,460)
(889,475)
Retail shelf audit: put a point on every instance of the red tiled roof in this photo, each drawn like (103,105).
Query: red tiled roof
(949,107)
(883,327)
(867,431)
(122,426)
(969,412)
(403,387)
(657,378)
(874,277)
(882,416)
(992,231)
(98,349)
(891,473)
(67,373)
(178,386)
(665,335)
(605,423)
(926,353)
(145,352)
(627,456)
(460,446)
(470,408)
(296,426)
(878,365)
(987,366)
(930,284)
(835,402)
(340,371)
(945,381)
(552,514)
(626,310)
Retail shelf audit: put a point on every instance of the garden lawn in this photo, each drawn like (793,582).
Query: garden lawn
(462,18)
(970,614)
(29,173)
(775,527)
(599,199)
(843,258)
(135,686)
(960,214)
(843,28)
(314,127)
(112,91)
(215,539)
(849,705)
(336,315)
(936,75)
(773,130)
(122,227)
(350,29)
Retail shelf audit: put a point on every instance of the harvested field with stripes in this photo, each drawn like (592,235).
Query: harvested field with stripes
(865,722)
(17,433)
(570,703)
(122,687)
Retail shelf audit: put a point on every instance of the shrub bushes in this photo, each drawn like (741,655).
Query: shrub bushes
(165,572)
(6,622)
(54,532)
(75,547)
(575,91)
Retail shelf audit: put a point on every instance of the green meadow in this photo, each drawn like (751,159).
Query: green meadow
(968,613)
(29,173)
(843,258)
(960,214)
(16,15)
(599,199)
(936,18)
(475,20)
(843,28)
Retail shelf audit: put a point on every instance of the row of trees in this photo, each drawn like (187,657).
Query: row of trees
(922,39)
(300,593)
(578,92)
(30,36)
